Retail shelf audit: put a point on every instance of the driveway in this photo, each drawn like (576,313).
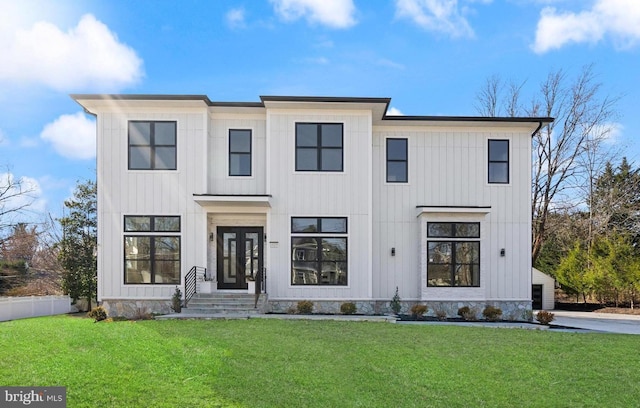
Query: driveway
(602,322)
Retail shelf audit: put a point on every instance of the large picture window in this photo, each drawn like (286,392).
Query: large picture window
(239,152)
(397,159)
(319,251)
(498,161)
(152,250)
(152,145)
(319,147)
(453,259)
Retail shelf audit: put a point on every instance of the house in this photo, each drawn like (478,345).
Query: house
(542,290)
(326,199)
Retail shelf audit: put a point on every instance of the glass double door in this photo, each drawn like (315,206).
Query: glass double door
(239,256)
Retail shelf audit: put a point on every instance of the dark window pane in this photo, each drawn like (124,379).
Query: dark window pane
(397,172)
(498,150)
(134,223)
(240,165)
(467,230)
(438,275)
(167,248)
(306,159)
(334,249)
(304,273)
(440,252)
(440,229)
(334,225)
(331,159)
(165,133)
(137,248)
(333,273)
(396,149)
(139,157)
(304,249)
(467,252)
(165,158)
(139,133)
(331,135)
(166,224)
(498,172)
(167,272)
(137,272)
(306,134)
(304,224)
(240,141)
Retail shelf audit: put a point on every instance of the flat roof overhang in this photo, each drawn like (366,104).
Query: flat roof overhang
(234,200)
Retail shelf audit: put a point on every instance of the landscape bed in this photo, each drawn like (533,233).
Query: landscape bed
(278,363)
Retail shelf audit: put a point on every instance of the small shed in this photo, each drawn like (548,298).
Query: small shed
(542,290)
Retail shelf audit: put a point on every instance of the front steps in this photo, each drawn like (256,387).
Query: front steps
(232,303)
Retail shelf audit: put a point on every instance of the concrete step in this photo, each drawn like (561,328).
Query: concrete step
(214,303)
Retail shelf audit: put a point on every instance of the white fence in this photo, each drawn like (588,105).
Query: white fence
(12,308)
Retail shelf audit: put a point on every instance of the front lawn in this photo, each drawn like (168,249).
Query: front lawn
(278,363)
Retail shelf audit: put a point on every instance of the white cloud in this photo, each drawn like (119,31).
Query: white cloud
(235,18)
(330,13)
(86,55)
(394,112)
(389,63)
(618,20)
(72,136)
(435,15)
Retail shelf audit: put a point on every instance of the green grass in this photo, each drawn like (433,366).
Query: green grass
(277,363)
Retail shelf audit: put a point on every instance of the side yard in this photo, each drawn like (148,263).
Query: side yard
(278,363)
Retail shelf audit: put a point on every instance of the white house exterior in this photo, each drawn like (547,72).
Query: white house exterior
(331,198)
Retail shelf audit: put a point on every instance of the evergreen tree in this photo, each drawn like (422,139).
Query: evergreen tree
(77,249)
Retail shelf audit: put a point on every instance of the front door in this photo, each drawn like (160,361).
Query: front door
(239,256)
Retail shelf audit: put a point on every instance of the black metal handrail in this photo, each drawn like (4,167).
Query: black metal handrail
(190,283)
(261,284)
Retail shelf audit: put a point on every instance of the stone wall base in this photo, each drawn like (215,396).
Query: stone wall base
(511,310)
(136,308)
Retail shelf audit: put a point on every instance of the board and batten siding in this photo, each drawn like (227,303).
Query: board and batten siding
(448,167)
(148,192)
(219,181)
(319,194)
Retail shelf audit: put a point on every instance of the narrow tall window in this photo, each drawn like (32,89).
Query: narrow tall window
(239,152)
(498,161)
(397,159)
(152,145)
(319,147)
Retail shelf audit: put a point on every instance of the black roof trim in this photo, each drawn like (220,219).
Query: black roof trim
(238,104)
(453,206)
(469,118)
(143,97)
(339,99)
(232,195)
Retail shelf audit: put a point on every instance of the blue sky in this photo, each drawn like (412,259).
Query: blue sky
(430,56)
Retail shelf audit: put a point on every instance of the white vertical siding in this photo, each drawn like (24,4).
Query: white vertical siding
(448,168)
(342,194)
(126,192)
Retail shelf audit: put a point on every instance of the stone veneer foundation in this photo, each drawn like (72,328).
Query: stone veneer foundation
(133,308)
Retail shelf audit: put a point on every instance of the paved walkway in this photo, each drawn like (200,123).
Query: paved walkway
(571,321)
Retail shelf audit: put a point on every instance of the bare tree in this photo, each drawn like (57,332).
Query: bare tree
(16,195)
(567,152)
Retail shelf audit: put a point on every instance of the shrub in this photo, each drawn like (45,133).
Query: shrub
(305,307)
(142,314)
(419,310)
(544,317)
(176,301)
(348,308)
(492,313)
(441,314)
(395,303)
(98,314)
(467,314)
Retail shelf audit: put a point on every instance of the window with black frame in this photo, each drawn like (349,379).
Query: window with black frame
(498,171)
(240,152)
(319,251)
(397,160)
(152,145)
(319,147)
(453,254)
(151,249)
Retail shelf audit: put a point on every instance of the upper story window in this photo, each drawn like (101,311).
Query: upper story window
(397,160)
(498,161)
(240,152)
(319,147)
(152,145)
